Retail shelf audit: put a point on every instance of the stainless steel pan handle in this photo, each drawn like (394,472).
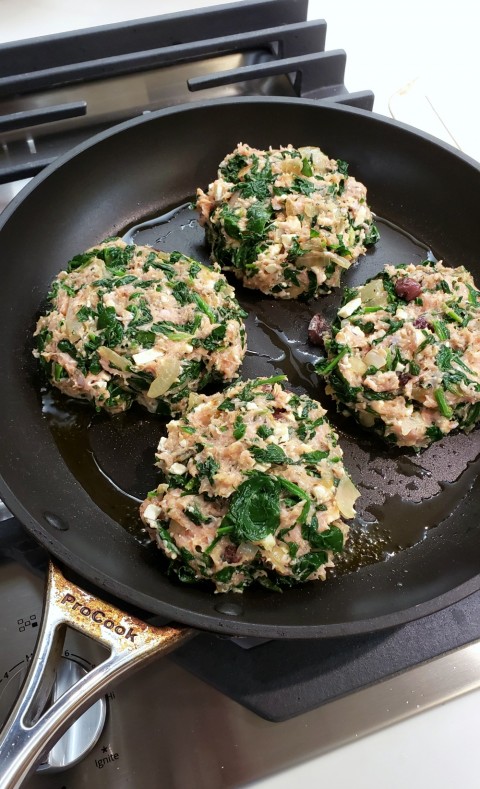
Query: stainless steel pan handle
(132,643)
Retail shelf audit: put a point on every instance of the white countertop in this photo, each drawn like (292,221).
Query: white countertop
(420,59)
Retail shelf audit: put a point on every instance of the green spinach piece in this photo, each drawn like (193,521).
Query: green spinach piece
(215,338)
(232,168)
(264,431)
(308,564)
(208,468)
(314,457)
(111,327)
(271,454)
(372,236)
(82,260)
(307,167)
(67,347)
(325,366)
(254,510)
(259,217)
(239,428)
(196,515)
(329,540)
(434,433)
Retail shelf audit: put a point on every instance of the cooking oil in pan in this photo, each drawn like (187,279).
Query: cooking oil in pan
(91,447)
(403,495)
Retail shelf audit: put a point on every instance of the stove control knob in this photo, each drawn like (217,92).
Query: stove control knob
(82,735)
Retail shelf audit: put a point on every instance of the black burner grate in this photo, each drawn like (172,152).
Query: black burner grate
(56,91)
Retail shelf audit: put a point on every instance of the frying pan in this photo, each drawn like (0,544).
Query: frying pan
(72,488)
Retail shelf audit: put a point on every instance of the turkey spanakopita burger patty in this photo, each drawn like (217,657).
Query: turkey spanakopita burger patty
(404,353)
(255,489)
(130,323)
(287,221)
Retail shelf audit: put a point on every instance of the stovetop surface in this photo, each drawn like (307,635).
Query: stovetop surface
(176,722)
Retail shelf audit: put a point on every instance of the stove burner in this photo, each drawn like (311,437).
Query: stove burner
(260,47)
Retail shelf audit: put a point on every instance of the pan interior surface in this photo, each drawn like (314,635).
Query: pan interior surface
(75,478)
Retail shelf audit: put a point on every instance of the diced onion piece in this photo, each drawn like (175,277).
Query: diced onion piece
(313,258)
(319,159)
(327,477)
(347,494)
(193,400)
(243,171)
(248,551)
(267,542)
(145,357)
(362,214)
(373,294)
(113,358)
(74,327)
(270,268)
(342,262)
(279,557)
(310,209)
(357,365)
(162,255)
(291,166)
(290,207)
(366,418)
(412,424)
(349,308)
(167,373)
(376,357)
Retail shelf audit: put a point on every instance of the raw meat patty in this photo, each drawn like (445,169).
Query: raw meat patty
(255,489)
(129,323)
(404,353)
(287,221)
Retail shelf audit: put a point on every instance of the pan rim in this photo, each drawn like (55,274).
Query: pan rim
(217,622)
(224,624)
(194,105)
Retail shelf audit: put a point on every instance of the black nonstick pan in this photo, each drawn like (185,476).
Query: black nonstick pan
(74,478)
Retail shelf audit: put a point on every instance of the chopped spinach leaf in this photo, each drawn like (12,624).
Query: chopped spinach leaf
(271,454)
(329,540)
(254,510)
(314,457)
(308,564)
(67,347)
(239,428)
(264,431)
(208,468)
(196,516)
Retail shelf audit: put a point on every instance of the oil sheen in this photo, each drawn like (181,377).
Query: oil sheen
(403,495)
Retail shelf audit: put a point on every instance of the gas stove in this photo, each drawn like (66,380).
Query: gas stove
(227,712)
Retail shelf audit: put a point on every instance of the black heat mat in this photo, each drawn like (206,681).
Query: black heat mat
(281,679)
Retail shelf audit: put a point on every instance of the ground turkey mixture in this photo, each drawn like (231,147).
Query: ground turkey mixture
(255,489)
(404,353)
(128,323)
(286,222)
